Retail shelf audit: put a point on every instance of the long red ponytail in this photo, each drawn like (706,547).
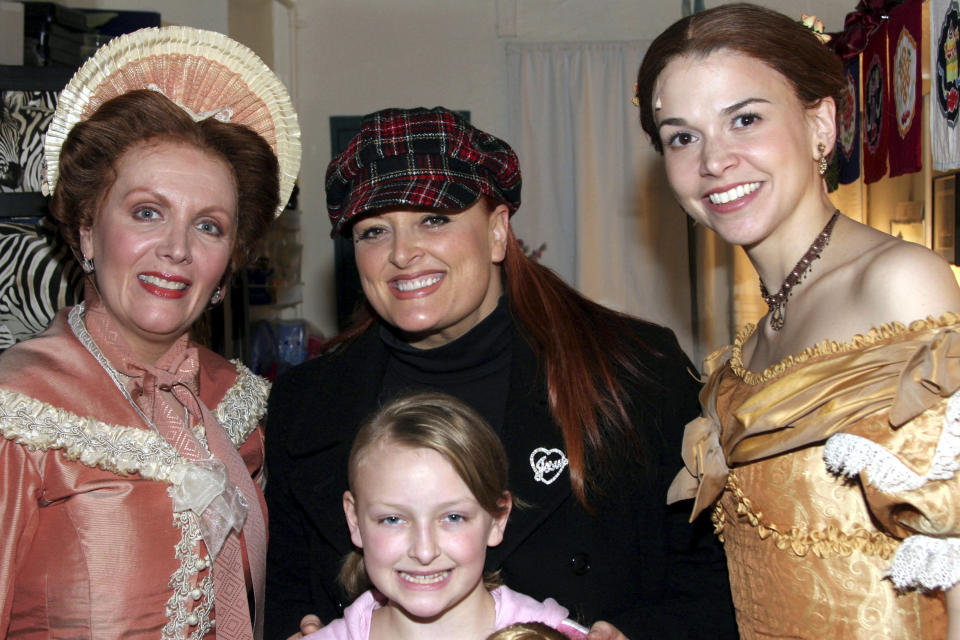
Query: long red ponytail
(585,350)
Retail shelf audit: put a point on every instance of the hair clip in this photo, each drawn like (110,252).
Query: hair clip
(815,25)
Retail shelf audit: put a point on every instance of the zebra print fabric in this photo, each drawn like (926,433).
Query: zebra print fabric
(38,276)
(24,117)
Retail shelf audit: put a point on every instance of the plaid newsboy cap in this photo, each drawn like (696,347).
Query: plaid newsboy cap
(419,158)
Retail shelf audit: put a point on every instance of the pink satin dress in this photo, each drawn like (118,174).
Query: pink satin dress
(90,543)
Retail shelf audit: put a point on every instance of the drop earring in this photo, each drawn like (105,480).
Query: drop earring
(87,264)
(216,297)
(822,162)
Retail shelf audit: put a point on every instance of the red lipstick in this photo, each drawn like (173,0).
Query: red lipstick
(164,291)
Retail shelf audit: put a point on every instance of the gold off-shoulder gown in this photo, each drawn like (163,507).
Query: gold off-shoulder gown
(836,471)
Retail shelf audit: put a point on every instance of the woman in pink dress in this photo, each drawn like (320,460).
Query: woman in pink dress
(131,455)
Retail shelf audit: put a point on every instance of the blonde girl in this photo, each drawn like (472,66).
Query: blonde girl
(428,494)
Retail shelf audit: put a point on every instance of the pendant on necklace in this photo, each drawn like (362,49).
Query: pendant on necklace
(776,317)
(777,302)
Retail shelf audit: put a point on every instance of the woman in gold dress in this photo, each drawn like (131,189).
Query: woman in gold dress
(829,440)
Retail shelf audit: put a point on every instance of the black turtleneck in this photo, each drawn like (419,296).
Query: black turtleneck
(474,368)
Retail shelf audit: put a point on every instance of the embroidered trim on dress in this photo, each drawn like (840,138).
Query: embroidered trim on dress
(823,543)
(185,586)
(244,404)
(239,411)
(884,333)
(926,563)
(850,455)
(40,426)
(77,322)
(122,450)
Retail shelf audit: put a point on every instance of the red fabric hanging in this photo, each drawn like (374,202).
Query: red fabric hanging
(848,124)
(875,106)
(858,27)
(904,117)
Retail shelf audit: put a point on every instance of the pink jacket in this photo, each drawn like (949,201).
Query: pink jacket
(90,546)
(512,607)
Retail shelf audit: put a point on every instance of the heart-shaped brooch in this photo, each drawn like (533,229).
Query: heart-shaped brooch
(547,464)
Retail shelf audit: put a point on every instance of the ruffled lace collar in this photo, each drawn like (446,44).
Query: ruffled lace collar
(883,334)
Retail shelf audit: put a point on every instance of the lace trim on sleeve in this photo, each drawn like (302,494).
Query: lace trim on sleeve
(122,450)
(244,404)
(926,563)
(850,455)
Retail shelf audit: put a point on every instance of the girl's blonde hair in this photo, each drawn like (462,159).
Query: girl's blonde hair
(441,423)
(527,631)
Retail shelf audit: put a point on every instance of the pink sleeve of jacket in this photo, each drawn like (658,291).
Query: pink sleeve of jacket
(513,608)
(20,488)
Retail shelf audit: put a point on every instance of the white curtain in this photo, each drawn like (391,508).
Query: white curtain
(593,188)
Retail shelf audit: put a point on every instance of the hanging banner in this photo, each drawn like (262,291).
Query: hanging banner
(904,44)
(945,85)
(848,123)
(875,106)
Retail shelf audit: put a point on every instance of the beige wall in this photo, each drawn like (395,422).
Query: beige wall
(357,56)
(204,14)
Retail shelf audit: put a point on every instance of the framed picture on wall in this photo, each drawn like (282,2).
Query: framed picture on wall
(28,98)
(909,230)
(946,216)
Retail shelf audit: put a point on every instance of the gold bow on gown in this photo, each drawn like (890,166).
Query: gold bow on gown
(796,533)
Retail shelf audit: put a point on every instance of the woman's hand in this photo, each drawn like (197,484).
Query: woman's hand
(308,624)
(605,631)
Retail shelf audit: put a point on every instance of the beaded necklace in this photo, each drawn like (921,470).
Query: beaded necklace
(777,302)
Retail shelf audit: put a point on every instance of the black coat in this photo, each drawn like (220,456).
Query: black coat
(636,562)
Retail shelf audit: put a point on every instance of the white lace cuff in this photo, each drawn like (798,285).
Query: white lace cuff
(850,455)
(926,563)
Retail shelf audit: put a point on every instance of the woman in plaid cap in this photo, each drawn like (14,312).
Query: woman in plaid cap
(587,401)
